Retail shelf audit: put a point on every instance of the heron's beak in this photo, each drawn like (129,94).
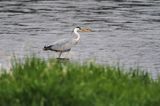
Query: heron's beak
(85,30)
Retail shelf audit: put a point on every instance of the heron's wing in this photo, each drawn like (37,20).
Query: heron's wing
(62,45)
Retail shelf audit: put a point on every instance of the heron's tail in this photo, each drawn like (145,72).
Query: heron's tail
(47,48)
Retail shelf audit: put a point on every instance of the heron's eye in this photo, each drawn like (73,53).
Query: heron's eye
(79,28)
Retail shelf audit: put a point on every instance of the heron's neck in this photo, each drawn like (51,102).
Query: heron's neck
(77,35)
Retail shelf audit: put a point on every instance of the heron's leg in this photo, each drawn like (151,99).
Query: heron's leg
(60,54)
(68,54)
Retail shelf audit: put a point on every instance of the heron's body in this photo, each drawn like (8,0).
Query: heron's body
(64,45)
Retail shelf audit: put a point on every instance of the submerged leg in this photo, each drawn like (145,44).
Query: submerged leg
(60,54)
(68,54)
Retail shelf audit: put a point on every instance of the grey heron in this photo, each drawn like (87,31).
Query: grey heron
(65,45)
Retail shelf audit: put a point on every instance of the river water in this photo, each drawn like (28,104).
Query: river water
(125,31)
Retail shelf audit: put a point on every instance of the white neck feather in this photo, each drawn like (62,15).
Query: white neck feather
(77,34)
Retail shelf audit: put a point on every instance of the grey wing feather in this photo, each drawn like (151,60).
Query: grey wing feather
(62,45)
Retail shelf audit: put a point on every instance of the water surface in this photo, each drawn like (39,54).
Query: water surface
(125,32)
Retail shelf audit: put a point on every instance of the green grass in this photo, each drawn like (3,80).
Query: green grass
(36,82)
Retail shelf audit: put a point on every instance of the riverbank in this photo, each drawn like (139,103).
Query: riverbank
(37,82)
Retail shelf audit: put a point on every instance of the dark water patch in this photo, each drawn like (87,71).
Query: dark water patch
(72,7)
(19,24)
(97,20)
(152,20)
(45,9)
(24,11)
(155,13)
(13,23)
(128,22)
(105,8)
(100,12)
(34,29)
(111,0)
(130,5)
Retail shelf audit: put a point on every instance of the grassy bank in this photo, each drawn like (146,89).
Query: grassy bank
(53,83)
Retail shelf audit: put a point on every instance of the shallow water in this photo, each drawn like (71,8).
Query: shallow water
(125,32)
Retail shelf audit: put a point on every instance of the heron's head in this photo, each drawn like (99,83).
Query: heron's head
(77,29)
(83,29)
